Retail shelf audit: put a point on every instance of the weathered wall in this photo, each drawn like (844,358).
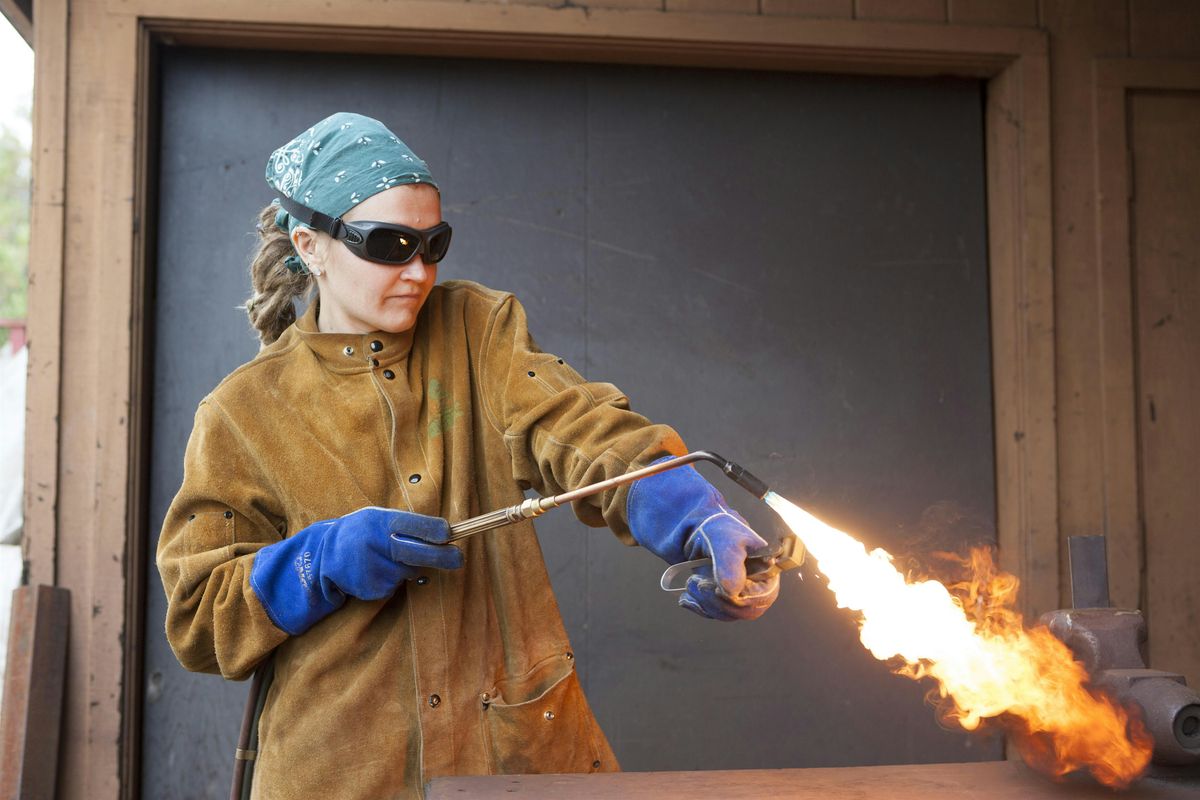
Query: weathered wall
(81,505)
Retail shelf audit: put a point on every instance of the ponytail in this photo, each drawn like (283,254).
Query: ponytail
(275,286)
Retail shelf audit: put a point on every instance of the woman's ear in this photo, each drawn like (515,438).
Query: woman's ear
(305,241)
(308,245)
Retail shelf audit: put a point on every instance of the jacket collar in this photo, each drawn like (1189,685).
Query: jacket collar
(352,352)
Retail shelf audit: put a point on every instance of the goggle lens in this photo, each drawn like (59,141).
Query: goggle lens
(391,246)
(399,247)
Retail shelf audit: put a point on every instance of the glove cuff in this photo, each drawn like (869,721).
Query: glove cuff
(285,580)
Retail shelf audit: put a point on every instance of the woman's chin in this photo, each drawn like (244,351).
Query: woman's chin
(398,315)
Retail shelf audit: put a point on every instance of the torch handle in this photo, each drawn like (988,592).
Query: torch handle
(535,507)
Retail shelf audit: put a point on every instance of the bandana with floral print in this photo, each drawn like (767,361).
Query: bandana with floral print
(339,162)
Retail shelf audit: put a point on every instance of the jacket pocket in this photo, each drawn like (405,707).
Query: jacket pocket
(540,722)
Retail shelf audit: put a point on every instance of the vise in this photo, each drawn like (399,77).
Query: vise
(1111,644)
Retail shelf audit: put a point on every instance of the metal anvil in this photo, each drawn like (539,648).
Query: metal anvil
(1111,644)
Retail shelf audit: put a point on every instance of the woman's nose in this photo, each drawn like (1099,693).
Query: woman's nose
(416,270)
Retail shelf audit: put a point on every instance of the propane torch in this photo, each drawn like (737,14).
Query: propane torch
(787,553)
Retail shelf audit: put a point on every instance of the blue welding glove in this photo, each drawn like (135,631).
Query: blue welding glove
(366,554)
(680,516)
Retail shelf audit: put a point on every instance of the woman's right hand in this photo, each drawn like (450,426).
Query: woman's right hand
(366,554)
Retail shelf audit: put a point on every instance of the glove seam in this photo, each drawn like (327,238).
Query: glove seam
(703,534)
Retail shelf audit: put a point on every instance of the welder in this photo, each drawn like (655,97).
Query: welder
(320,478)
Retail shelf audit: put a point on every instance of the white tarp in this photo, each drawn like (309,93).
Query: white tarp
(12,442)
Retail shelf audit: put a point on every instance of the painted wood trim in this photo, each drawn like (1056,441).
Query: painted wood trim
(603,32)
(96,373)
(1022,304)
(144,244)
(45,298)
(1113,79)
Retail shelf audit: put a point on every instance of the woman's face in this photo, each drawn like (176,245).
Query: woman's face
(360,296)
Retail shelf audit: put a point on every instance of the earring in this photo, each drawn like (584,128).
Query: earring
(316,272)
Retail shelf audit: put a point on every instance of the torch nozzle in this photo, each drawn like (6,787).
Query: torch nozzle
(740,475)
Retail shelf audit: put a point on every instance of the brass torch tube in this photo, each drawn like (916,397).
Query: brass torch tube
(535,507)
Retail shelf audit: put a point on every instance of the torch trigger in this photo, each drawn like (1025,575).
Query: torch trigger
(672,573)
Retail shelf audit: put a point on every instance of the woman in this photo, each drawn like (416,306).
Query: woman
(319,478)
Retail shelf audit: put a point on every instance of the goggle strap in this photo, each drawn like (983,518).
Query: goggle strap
(312,217)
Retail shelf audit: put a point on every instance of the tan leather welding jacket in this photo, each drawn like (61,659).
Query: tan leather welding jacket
(467,672)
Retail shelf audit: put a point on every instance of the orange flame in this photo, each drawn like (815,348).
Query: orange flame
(970,639)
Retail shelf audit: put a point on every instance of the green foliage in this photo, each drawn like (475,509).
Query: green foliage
(14,225)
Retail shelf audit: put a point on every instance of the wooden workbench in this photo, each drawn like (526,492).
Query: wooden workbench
(995,780)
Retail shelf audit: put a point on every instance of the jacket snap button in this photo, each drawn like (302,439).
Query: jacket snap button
(376,346)
(595,765)
(349,350)
(421,581)
(414,478)
(228,515)
(374,362)
(434,701)
(549,715)
(532,373)
(387,373)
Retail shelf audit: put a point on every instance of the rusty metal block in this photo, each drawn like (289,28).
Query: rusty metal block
(1101,638)
(33,692)
(1111,644)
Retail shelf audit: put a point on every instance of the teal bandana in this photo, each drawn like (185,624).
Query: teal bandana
(336,164)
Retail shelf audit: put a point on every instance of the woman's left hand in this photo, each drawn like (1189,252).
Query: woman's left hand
(679,516)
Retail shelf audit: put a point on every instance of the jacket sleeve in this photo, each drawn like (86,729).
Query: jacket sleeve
(561,431)
(222,515)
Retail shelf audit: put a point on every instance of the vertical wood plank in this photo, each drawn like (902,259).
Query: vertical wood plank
(45,290)
(1164,134)
(1080,30)
(1119,479)
(1022,284)
(95,448)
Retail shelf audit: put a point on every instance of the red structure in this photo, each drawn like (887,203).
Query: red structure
(16,332)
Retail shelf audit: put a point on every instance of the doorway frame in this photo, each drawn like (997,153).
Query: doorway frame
(1113,81)
(91,268)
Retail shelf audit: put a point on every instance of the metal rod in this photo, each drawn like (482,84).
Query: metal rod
(535,507)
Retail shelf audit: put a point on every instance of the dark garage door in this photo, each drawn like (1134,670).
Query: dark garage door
(790,269)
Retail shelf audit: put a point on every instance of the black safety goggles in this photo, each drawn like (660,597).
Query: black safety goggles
(381,242)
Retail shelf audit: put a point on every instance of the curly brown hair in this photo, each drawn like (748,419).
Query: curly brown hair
(274,286)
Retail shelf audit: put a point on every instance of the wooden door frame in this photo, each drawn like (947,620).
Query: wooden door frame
(87,428)
(1113,82)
